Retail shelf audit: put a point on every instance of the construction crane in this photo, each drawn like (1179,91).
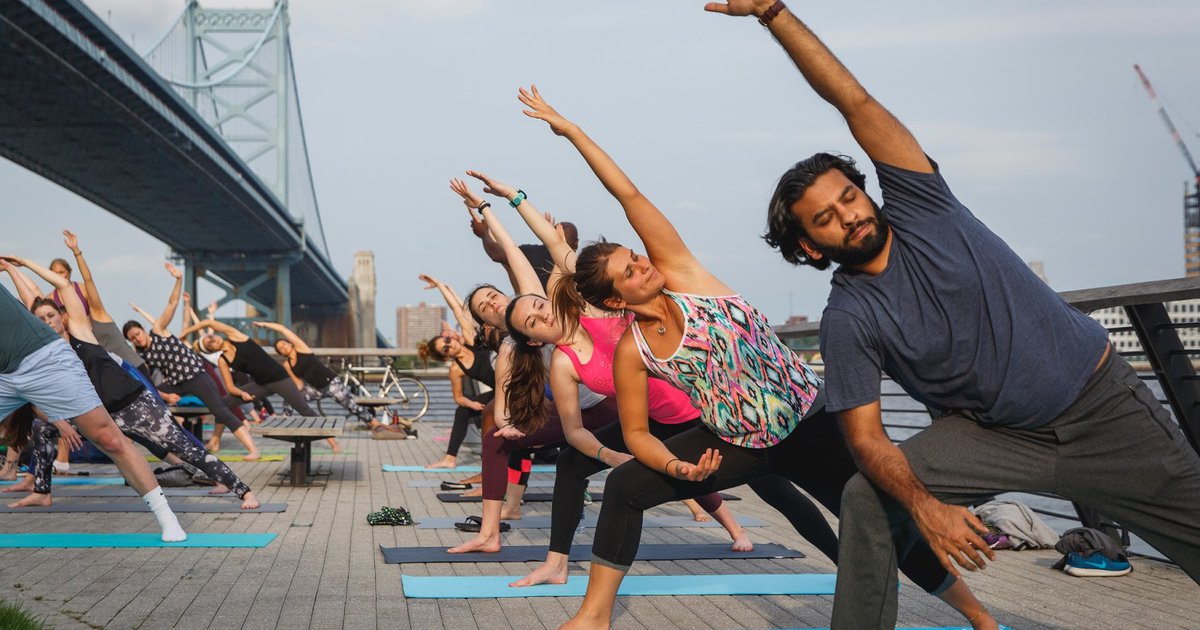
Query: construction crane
(1162,112)
(1191,198)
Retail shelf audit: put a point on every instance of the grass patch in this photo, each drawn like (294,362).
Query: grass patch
(14,617)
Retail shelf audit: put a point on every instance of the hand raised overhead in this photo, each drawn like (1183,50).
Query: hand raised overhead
(541,110)
(470,199)
(493,186)
(739,8)
(71,240)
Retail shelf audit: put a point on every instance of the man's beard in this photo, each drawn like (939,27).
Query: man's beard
(864,252)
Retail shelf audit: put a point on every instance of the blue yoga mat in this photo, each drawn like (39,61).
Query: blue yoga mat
(490,586)
(1002,627)
(80,481)
(459,469)
(66,540)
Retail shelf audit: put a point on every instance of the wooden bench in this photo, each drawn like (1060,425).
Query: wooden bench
(301,431)
(193,419)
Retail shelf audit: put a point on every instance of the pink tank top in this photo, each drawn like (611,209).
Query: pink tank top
(667,404)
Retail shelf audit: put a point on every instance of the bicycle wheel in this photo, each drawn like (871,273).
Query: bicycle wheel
(414,398)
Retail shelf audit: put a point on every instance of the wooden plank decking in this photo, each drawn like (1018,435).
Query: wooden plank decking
(325,570)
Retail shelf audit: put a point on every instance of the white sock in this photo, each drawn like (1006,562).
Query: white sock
(172,531)
(62,467)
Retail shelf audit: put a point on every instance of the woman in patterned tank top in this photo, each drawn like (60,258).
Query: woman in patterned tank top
(760,403)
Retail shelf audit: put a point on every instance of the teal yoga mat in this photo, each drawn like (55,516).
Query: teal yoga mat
(460,469)
(543,522)
(490,586)
(80,481)
(67,540)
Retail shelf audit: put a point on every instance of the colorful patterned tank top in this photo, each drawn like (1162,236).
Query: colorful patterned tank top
(752,390)
(666,404)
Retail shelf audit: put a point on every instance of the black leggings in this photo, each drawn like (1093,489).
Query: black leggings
(814,456)
(463,418)
(203,387)
(574,468)
(286,388)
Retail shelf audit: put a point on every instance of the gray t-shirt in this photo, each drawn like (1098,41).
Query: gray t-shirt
(956,318)
(21,332)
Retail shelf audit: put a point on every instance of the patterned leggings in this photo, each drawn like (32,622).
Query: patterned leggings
(145,419)
(339,393)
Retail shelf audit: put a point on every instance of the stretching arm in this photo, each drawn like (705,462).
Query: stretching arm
(79,325)
(951,531)
(164,320)
(229,331)
(27,291)
(564,383)
(875,129)
(230,386)
(287,333)
(525,279)
(466,323)
(99,313)
(457,378)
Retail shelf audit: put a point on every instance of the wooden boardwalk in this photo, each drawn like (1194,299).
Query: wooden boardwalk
(325,570)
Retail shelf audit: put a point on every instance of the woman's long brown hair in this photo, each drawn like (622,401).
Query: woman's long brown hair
(16,432)
(525,391)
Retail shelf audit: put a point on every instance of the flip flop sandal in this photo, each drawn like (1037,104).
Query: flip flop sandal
(454,485)
(473,523)
(390,516)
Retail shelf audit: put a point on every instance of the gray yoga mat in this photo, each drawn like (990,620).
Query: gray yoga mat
(536,497)
(581,553)
(543,522)
(100,492)
(179,507)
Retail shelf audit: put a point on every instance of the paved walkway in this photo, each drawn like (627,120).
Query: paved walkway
(325,569)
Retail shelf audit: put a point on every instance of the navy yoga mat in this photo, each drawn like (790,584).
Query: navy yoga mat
(535,497)
(543,522)
(538,468)
(580,553)
(490,586)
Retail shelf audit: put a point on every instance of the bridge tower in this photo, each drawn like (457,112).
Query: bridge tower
(234,66)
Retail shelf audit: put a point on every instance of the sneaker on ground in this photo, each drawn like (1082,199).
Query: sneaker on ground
(1095,565)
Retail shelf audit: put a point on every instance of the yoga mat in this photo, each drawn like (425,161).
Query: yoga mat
(580,553)
(489,586)
(179,507)
(80,481)
(543,522)
(535,497)
(437,483)
(234,458)
(82,541)
(1002,627)
(100,492)
(540,468)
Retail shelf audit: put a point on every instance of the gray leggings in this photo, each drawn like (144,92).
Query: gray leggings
(1115,449)
(285,388)
(145,420)
(338,391)
(203,387)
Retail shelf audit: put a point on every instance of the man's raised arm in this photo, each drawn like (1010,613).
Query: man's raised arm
(875,129)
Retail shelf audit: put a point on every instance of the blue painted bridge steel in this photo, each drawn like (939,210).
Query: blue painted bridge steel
(80,108)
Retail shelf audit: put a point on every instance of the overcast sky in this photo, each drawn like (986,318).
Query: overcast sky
(1031,108)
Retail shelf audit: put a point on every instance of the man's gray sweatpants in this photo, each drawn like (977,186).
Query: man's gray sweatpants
(1114,449)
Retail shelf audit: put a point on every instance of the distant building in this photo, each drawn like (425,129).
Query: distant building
(362,300)
(801,336)
(415,324)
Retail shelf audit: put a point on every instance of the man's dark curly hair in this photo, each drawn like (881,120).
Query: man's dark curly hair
(783,229)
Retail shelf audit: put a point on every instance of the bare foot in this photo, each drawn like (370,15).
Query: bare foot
(252,456)
(476,478)
(545,574)
(219,489)
(333,444)
(249,501)
(700,517)
(584,623)
(985,622)
(445,462)
(8,473)
(213,445)
(24,485)
(510,515)
(741,542)
(478,544)
(33,500)
(477,491)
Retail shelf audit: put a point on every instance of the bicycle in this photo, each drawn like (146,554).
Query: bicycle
(407,398)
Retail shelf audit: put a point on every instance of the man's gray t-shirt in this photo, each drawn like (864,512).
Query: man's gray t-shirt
(956,318)
(21,332)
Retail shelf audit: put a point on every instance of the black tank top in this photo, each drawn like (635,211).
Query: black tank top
(116,388)
(481,370)
(309,368)
(255,361)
